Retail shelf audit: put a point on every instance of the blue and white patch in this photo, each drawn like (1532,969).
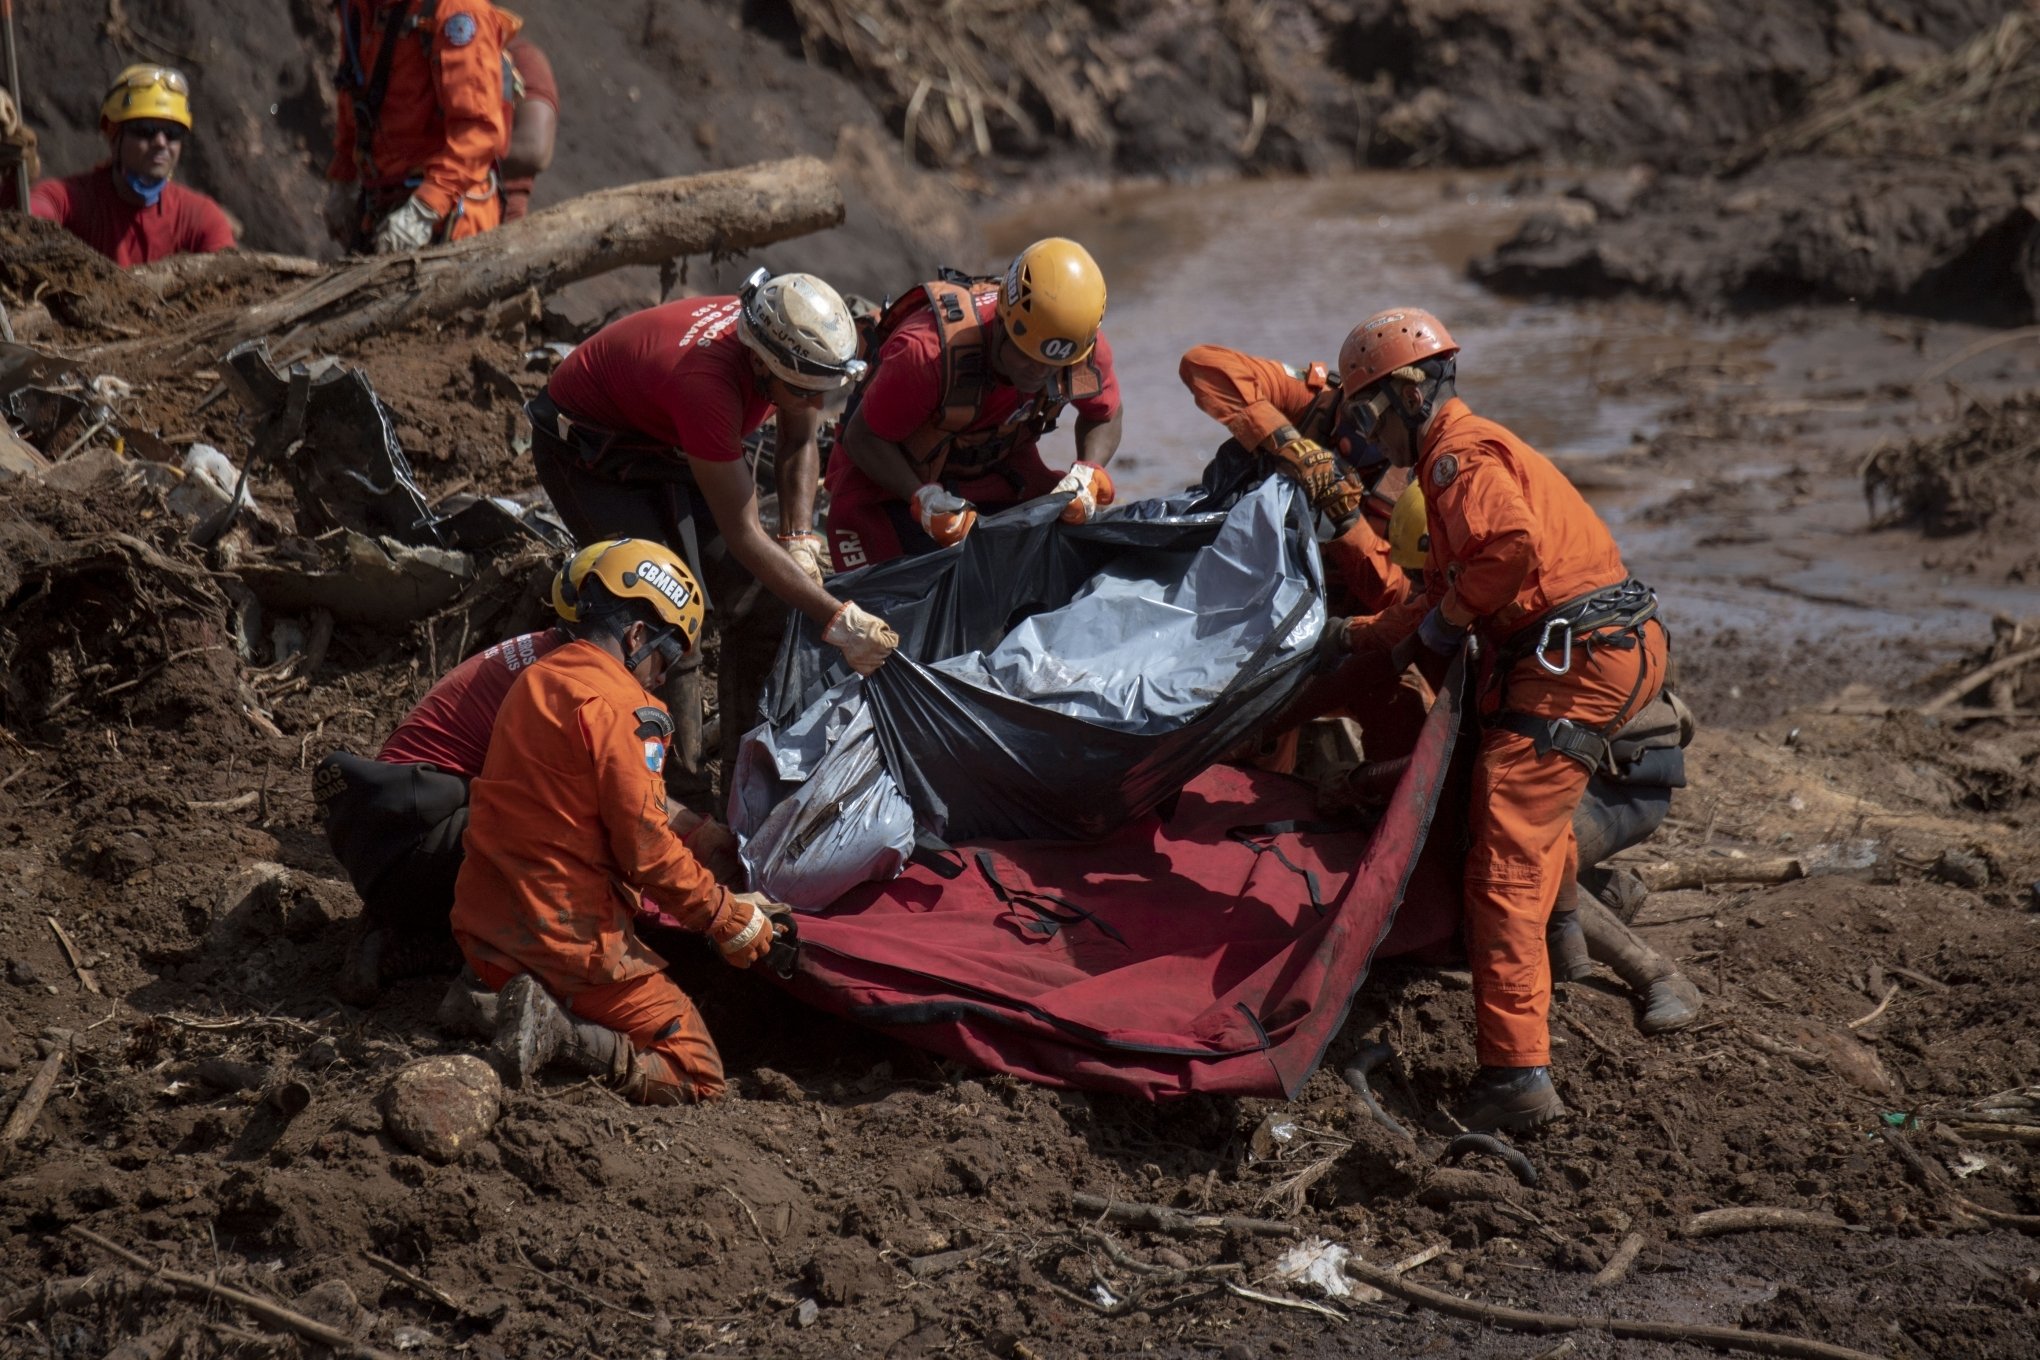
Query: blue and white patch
(655,756)
(459,30)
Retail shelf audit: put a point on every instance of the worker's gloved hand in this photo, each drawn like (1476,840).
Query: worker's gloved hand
(943,515)
(410,227)
(710,842)
(1312,465)
(343,212)
(865,639)
(1334,644)
(1342,501)
(1440,634)
(1092,487)
(748,939)
(809,552)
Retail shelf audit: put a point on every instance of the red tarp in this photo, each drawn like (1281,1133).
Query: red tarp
(1177,959)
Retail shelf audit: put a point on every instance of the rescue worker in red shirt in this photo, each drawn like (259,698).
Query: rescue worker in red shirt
(395,822)
(421,122)
(640,432)
(1571,651)
(970,374)
(569,804)
(534,124)
(127,208)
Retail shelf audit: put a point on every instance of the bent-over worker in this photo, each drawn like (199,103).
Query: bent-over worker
(534,123)
(640,432)
(969,374)
(569,805)
(1572,650)
(127,208)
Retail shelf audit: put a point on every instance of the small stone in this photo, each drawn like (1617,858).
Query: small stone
(1963,869)
(333,1302)
(439,1107)
(805,1315)
(1610,1221)
(22,973)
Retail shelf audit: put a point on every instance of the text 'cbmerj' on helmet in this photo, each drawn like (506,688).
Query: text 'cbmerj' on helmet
(145,91)
(801,329)
(1052,302)
(1401,337)
(1409,530)
(632,569)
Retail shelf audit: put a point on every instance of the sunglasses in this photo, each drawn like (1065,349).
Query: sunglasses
(144,130)
(142,77)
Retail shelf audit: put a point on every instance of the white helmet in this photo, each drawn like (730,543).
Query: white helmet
(801,328)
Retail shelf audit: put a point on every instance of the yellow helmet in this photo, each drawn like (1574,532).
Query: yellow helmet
(634,569)
(1409,537)
(146,91)
(1052,302)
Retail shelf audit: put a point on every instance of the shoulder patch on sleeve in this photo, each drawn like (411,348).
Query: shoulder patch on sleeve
(459,30)
(1444,470)
(654,723)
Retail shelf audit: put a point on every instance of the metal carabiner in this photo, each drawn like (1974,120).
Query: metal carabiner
(1564,629)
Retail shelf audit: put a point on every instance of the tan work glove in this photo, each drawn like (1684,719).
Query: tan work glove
(943,515)
(1312,465)
(1092,487)
(750,941)
(809,552)
(866,640)
(410,227)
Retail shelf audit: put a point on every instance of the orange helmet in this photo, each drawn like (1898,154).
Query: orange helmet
(1398,338)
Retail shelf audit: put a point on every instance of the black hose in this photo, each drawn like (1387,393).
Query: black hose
(1488,1143)
(1371,1056)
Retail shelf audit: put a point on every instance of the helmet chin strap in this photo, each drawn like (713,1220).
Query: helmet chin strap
(660,641)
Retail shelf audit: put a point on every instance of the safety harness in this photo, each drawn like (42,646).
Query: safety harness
(365,89)
(946,449)
(1610,618)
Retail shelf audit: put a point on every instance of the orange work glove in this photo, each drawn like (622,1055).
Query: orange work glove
(752,940)
(943,515)
(1090,484)
(1312,465)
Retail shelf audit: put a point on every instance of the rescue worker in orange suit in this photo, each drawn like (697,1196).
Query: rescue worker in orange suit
(641,432)
(127,208)
(1287,417)
(969,375)
(1571,651)
(395,822)
(534,112)
(570,803)
(421,123)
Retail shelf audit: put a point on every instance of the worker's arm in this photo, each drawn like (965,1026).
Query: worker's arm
(879,459)
(734,502)
(797,467)
(467,64)
(532,133)
(1487,524)
(1098,440)
(1252,397)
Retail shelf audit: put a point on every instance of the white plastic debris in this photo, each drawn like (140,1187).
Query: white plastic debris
(410,1338)
(1969,1164)
(1105,1297)
(1317,1263)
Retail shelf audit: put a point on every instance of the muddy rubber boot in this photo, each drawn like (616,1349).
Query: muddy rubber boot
(530,1028)
(1509,1098)
(361,976)
(1566,942)
(1619,890)
(1670,1002)
(468,1007)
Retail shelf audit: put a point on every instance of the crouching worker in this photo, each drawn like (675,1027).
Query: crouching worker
(395,822)
(570,805)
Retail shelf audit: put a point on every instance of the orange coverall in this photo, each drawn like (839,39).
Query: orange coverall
(441,128)
(1510,540)
(569,802)
(1253,398)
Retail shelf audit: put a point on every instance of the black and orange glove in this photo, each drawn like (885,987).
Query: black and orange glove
(1312,465)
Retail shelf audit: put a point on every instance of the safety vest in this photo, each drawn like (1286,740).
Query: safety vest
(946,448)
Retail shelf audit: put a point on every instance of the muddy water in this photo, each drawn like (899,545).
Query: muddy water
(1640,401)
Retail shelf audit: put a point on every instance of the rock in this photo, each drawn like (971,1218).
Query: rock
(22,973)
(976,1162)
(1963,868)
(805,1315)
(439,1107)
(114,856)
(775,1085)
(333,1303)
(847,1271)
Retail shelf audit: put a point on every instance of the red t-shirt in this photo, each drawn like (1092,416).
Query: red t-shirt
(537,74)
(183,221)
(907,391)
(675,373)
(450,726)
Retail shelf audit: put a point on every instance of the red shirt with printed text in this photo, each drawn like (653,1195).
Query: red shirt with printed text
(675,373)
(450,727)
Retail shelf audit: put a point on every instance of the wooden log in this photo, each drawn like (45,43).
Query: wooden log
(1176,1222)
(633,224)
(33,1100)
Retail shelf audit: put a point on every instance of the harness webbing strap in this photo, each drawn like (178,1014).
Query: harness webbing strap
(1051,912)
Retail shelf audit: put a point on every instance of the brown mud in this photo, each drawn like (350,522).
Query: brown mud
(857,1196)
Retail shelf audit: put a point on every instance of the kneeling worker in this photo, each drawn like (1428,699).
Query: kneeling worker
(569,804)
(641,433)
(1572,650)
(969,375)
